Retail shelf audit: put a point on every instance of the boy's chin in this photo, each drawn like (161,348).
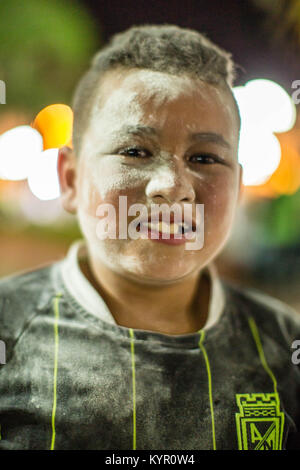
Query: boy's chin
(142,265)
(155,275)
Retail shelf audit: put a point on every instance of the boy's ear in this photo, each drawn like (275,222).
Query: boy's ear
(67,174)
(241,183)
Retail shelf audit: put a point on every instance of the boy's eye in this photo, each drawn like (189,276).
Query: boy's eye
(135,152)
(206,158)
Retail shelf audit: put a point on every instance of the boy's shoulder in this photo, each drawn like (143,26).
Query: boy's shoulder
(22,296)
(274,317)
(26,282)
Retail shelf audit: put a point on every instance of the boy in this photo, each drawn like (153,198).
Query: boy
(134,342)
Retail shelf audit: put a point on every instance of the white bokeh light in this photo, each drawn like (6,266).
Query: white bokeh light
(270,105)
(259,154)
(265,108)
(43,178)
(18,147)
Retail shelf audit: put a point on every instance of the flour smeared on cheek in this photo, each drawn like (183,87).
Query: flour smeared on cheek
(111,175)
(106,170)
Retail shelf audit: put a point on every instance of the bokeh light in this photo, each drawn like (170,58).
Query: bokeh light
(43,178)
(259,154)
(265,108)
(18,148)
(270,106)
(55,123)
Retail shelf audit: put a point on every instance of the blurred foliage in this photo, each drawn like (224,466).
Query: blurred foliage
(51,232)
(44,49)
(61,230)
(277,220)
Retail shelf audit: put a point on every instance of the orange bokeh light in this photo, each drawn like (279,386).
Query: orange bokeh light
(55,124)
(285,180)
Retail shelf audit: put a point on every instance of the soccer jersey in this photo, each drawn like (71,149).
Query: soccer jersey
(74,379)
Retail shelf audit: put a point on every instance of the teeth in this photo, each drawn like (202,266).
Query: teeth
(164,227)
(152,226)
(174,228)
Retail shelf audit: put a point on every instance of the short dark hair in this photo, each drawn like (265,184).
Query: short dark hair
(164,48)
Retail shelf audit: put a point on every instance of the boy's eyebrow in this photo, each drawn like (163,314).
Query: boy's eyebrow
(210,137)
(139,130)
(196,136)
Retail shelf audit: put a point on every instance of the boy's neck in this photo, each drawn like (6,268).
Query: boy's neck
(173,309)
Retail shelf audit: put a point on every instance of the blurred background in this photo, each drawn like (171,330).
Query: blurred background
(46,45)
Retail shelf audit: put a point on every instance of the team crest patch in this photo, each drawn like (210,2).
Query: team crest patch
(259,422)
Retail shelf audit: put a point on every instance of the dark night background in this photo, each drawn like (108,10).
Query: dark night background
(237,26)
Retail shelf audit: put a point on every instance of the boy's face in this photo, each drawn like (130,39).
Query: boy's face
(165,164)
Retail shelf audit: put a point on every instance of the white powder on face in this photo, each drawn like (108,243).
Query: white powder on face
(121,107)
(112,253)
(130,263)
(125,106)
(111,175)
(160,86)
(162,179)
(163,176)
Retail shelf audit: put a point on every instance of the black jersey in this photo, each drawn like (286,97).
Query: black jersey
(74,381)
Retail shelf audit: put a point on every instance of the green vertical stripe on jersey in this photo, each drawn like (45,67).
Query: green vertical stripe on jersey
(256,337)
(201,346)
(133,387)
(56,318)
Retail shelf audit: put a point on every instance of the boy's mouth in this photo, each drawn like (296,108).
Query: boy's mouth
(165,232)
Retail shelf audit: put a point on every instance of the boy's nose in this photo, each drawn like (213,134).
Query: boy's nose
(170,185)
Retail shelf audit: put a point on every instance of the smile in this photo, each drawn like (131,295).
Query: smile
(170,234)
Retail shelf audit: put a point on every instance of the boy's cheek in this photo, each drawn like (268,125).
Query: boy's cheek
(94,211)
(220,203)
(103,181)
(218,191)
(90,200)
